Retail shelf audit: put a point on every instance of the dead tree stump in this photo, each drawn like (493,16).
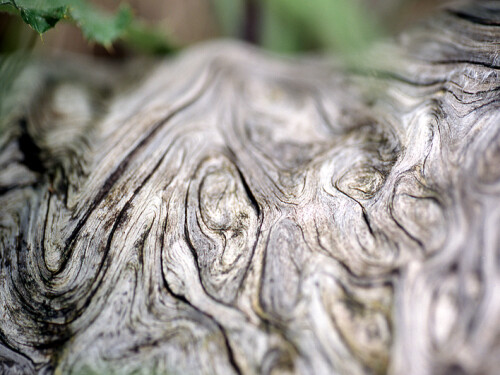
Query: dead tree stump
(232,212)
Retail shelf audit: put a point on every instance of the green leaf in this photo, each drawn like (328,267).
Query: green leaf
(98,26)
(41,16)
(42,20)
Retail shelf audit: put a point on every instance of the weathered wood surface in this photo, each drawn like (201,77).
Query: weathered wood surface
(236,213)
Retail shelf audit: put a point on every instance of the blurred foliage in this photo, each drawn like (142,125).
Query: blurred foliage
(342,26)
(96,25)
(231,15)
(339,25)
(296,25)
(11,66)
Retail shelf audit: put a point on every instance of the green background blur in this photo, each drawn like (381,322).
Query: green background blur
(287,26)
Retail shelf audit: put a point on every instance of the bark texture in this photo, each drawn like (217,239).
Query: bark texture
(237,213)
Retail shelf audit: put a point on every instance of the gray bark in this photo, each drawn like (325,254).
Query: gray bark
(227,211)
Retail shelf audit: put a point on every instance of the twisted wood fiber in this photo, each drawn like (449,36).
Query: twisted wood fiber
(236,213)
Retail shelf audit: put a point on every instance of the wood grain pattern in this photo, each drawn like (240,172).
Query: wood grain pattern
(230,212)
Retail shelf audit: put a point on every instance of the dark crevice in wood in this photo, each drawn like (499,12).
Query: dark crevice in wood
(367,221)
(464,62)
(122,166)
(6,189)
(184,300)
(249,193)
(30,149)
(483,17)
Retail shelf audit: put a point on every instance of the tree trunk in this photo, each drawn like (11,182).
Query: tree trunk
(233,212)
